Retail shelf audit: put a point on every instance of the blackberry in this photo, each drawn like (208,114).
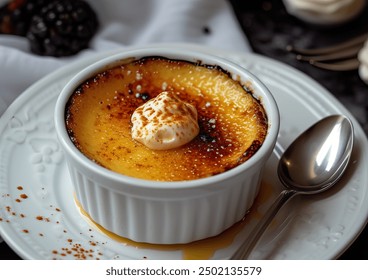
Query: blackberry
(16,15)
(62,28)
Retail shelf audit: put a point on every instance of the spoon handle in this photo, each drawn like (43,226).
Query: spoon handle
(246,248)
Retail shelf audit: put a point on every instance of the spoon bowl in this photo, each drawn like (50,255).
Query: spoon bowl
(313,163)
(318,157)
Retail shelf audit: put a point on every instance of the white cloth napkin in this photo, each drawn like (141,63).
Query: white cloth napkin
(126,23)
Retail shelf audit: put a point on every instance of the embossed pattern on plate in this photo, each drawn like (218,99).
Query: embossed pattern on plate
(39,219)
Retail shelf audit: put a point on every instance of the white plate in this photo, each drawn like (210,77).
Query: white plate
(47,225)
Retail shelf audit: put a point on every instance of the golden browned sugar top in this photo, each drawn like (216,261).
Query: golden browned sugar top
(232,123)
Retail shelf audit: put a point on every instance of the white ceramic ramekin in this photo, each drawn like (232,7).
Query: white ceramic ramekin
(166,212)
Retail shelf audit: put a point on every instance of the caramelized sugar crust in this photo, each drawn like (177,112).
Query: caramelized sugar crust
(233,124)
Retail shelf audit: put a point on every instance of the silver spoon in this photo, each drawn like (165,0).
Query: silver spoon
(313,163)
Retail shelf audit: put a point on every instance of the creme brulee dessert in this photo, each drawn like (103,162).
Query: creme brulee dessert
(166,120)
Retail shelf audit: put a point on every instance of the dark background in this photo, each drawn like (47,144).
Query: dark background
(269,29)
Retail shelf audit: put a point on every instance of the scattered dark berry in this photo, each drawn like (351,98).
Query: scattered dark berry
(16,15)
(62,28)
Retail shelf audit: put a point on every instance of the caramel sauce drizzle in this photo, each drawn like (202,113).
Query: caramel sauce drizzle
(201,249)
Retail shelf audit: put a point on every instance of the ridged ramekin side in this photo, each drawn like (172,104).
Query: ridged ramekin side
(161,220)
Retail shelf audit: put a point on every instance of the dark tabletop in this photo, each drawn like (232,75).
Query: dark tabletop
(269,29)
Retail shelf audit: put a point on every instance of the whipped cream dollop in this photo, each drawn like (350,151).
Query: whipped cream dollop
(363,62)
(165,122)
(324,11)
